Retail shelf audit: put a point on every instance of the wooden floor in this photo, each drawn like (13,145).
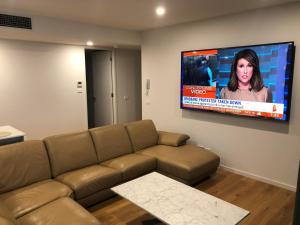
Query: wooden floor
(268,205)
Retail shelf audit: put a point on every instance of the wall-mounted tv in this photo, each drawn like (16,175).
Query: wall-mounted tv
(253,81)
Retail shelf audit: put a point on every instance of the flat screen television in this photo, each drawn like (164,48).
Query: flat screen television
(253,81)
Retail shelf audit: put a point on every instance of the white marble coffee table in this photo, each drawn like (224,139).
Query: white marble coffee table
(175,203)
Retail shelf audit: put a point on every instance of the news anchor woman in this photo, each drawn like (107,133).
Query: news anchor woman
(245,81)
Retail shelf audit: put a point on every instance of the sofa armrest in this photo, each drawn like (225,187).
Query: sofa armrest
(172,139)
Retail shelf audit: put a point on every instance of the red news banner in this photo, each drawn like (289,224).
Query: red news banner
(208,95)
(199,91)
(203,52)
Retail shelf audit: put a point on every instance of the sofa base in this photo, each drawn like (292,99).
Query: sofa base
(96,198)
(191,182)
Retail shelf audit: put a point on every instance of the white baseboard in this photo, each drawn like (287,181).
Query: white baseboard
(260,178)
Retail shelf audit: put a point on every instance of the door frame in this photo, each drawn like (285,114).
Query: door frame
(90,89)
(114,85)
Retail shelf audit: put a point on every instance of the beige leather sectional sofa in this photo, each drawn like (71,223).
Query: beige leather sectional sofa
(42,182)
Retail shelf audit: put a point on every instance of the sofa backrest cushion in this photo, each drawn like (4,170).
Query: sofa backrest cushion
(111,141)
(143,134)
(70,151)
(22,164)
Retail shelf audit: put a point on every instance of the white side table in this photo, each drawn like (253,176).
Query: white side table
(9,135)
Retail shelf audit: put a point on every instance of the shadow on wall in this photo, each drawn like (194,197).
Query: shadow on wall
(239,121)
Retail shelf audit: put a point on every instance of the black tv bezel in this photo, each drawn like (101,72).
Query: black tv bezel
(290,84)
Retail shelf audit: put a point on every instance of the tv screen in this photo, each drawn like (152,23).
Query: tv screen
(251,80)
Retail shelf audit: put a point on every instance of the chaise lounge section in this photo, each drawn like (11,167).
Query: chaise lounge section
(42,182)
(186,163)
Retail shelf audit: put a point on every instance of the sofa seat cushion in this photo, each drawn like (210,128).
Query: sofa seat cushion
(63,211)
(187,162)
(29,198)
(4,221)
(91,179)
(6,216)
(132,165)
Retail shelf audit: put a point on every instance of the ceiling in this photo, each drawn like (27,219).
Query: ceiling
(133,14)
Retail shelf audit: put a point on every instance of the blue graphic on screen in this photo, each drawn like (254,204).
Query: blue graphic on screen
(275,62)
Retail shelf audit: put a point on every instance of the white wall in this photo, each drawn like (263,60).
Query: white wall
(38,92)
(46,29)
(38,81)
(264,149)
